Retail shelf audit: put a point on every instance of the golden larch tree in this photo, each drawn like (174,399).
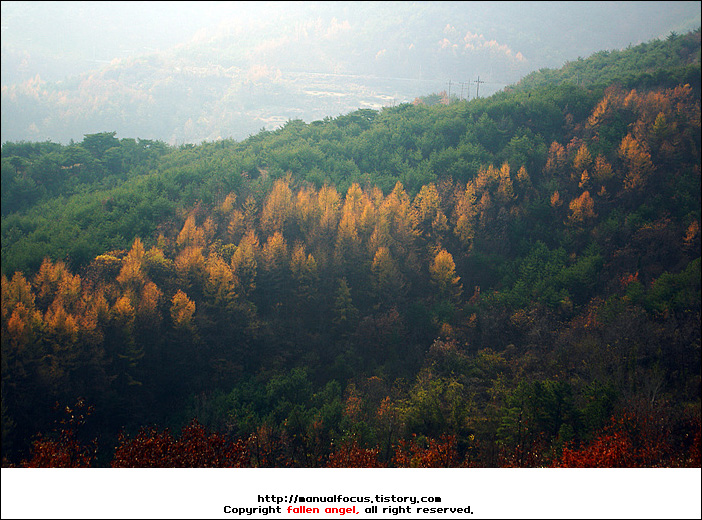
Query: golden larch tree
(582,209)
(244,261)
(278,208)
(443,275)
(182,311)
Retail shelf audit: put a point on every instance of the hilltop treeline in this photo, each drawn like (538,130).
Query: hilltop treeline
(507,281)
(668,62)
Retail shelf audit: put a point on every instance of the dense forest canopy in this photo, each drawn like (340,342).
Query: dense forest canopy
(507,281)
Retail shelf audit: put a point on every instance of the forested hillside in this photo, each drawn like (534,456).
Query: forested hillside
(660,63)
(509,281)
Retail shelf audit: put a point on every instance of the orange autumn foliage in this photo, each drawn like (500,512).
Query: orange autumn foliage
(581,209)
(64,449)
(351,455)
(432,453)
(634,441)
(195,448)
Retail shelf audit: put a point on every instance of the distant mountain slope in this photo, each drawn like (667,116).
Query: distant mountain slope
(246,70)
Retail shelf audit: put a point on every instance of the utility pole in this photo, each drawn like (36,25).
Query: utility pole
(477,95)
(449,91)
(467,85)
